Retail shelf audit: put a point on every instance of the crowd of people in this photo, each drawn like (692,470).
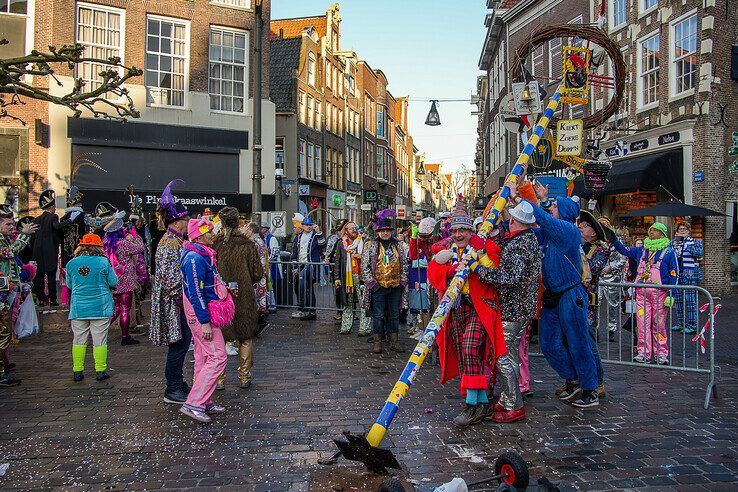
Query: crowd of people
(213,280)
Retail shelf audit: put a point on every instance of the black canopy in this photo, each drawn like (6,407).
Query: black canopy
(673,209)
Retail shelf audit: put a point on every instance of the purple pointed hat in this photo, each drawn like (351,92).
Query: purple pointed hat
(169,207)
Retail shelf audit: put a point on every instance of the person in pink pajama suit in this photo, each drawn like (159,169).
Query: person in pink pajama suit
(204,295)
(657,264)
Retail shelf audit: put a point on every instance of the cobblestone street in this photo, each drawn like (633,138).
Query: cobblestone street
(310,384)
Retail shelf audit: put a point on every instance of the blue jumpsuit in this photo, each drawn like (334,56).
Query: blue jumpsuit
(564,330)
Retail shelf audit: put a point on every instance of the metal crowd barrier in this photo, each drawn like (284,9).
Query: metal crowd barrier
(306,287)
(687,352)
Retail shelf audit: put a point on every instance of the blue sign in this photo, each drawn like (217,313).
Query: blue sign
(698,176)
(556,185)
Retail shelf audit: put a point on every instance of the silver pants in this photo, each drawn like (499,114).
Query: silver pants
(613,296)
(508,366)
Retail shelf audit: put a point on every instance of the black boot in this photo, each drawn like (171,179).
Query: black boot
(78,376)
(102,375)
(129,340)
(8,380)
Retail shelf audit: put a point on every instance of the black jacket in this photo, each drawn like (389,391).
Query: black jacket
(47,240)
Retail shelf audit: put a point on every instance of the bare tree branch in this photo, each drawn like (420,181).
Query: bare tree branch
(110,94)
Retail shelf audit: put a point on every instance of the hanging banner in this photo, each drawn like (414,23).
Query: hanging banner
(575,73)
(569,137)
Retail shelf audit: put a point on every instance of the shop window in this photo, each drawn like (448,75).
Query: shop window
(100,30)
(228,69)
(9,149)
(167,51)
(683,55)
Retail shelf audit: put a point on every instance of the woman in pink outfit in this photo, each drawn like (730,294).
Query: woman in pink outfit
(207,307)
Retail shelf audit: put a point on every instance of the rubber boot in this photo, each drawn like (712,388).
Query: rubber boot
(377,344)
(100,354)
(78,357)
(394,344)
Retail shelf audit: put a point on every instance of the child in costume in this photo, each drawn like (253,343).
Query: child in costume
(657,264)
(421,240)
(471,338)
(688,251)
(90,276)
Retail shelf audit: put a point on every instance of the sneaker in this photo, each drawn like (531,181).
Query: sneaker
(601,393)
(508,416)
(676,328)
(102,376)
(220,386)
(215,408)
(244,384)
(472,414)
(640,359)
(589,399)
(662,360)
(129,341)
(78,376)
(195,414)
(296,314)
(561,388)
(571,391)
(177,396)
(8,380)
(231,349)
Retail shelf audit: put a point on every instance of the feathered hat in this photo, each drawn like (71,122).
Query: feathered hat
(47,199)
(382,219)
(169,208)
(74,196)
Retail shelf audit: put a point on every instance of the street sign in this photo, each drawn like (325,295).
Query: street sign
(370,196)
(698,176)
(278,222)
(401,212)
(351,201)
(366,206)
(304,190)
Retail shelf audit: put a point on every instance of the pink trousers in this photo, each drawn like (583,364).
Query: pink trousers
(524,380)
(210,361)
(651,319)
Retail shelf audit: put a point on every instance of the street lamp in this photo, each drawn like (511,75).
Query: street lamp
(421,170)
(433,118)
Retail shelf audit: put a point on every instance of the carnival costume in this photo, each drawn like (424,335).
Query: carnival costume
(419,252)
(206,301)
(657,264)
(90,277)
(688,251)
(347,273)
(471,338)
(563,328)
(612,273)
(71,236)
(46,249)
(306,255)
(168,326)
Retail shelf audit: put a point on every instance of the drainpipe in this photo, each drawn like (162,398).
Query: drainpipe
(257,177)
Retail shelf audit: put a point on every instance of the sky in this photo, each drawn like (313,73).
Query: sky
(428,49)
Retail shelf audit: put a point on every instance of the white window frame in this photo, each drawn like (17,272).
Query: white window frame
(92,6)
(309,111)
(311,65)
(309,160)
(186,97)
(640,105)
(328,72)
(316,113)
(673,94)
(301,149)
(552,55)
(317,164)
(611,15)
(302,103)
(643,10)
(246,74)
(230,5)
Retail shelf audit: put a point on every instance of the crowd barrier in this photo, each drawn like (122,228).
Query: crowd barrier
(304,286)
(625,309)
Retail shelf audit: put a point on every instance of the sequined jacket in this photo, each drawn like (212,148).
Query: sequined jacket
(369,260)
(166,294)
(8,251)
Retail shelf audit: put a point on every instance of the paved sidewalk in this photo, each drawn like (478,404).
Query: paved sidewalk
(311,384)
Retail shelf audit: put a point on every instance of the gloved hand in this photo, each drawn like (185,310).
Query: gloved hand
(443,256)
(414,231)
(669,301)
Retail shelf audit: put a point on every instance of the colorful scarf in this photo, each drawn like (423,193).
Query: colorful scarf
(656,244)
(353,253)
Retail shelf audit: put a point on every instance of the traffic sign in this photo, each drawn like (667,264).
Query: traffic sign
(277,221)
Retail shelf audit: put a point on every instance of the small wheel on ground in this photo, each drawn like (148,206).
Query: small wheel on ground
(391,485)
(514,470)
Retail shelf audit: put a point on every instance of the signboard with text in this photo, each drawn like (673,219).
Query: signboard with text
(569,137)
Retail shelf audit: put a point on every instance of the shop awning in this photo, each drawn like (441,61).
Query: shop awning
(644,173)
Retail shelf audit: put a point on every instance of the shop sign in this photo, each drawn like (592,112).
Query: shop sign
(370,196)
(620,149)
(287,186)
(418,216)
(639,145)
(337,199)
(304,190)
(569,137)
(668,138)
(556,185)
(150,199)
(366,206)
(698,176)
(401,212)
(351,201)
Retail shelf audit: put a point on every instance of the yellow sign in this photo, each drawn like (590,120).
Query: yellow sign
(569,137)
(572,161)
(575,74)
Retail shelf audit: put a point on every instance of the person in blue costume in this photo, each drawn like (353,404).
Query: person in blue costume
(564,330)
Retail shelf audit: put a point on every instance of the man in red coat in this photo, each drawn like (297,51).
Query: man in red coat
(471,338)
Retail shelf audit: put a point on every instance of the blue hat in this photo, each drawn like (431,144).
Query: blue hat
(307,221)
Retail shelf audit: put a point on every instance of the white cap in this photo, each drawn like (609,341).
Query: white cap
(477,221)
(523,213)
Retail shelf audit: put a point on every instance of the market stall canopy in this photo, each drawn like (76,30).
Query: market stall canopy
(643,173)
(673,209)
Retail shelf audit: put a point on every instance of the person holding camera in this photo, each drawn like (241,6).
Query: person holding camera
(239,263)
(10,279)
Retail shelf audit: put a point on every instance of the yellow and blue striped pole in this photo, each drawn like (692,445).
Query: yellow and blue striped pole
(392,404)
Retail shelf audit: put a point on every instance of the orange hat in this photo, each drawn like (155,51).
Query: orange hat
(91,240)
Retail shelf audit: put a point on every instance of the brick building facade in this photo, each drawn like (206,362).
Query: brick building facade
(195,99)
(667,137)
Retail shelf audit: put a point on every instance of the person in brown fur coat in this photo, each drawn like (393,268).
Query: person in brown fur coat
(238,261)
